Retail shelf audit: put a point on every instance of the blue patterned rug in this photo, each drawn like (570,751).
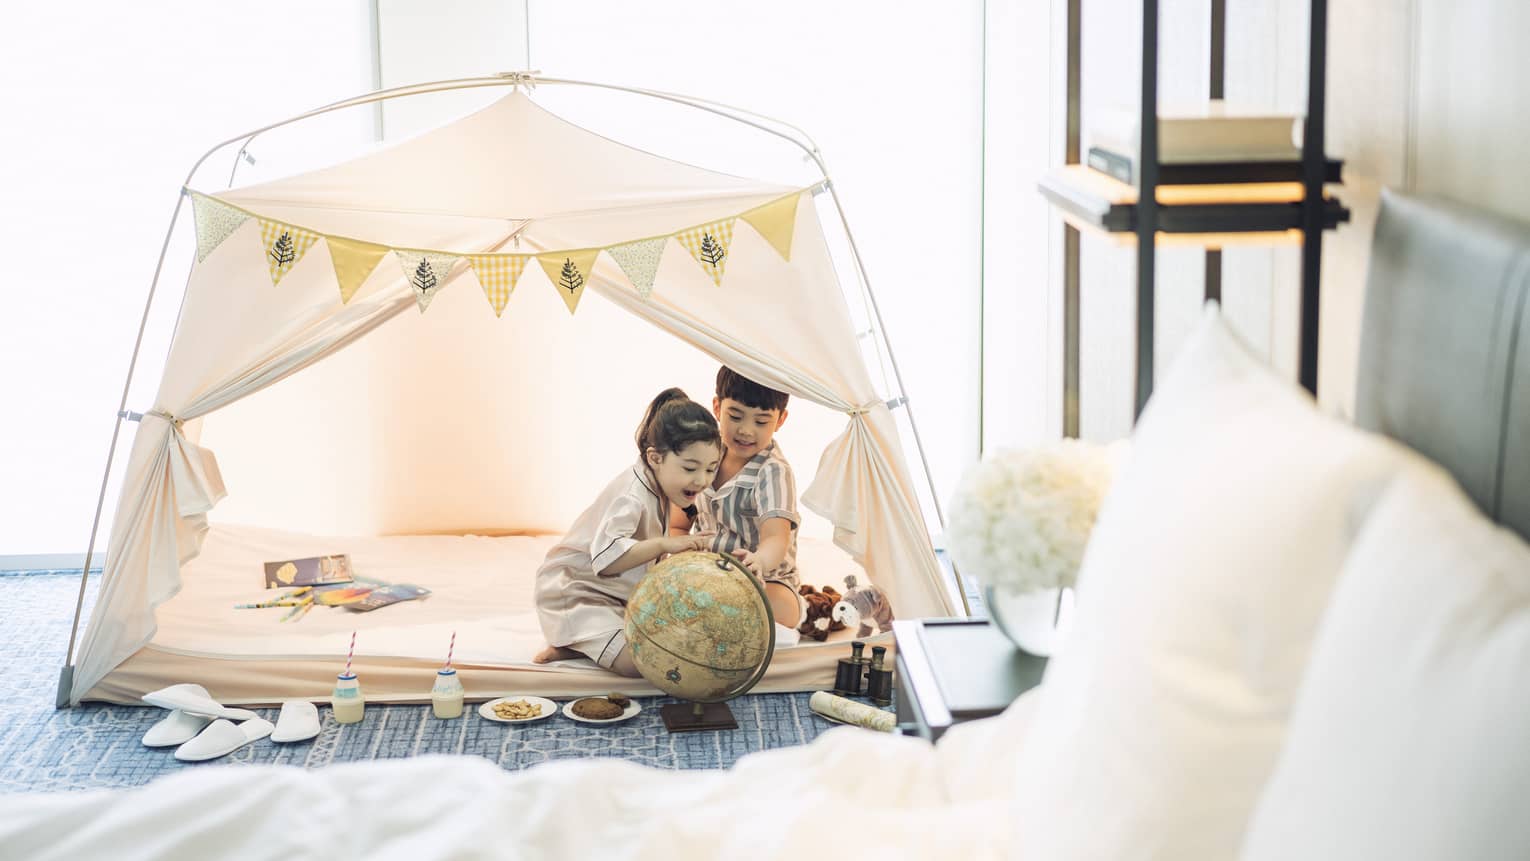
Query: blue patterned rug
(98,746)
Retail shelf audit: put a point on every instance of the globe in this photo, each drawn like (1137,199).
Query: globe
(700,629)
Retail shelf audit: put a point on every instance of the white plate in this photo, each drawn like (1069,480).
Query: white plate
(549,708)
(632,709)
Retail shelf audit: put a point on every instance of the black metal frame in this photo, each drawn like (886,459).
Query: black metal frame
(1146,218)
(1216,89)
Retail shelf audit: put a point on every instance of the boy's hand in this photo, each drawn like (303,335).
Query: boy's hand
(750,561)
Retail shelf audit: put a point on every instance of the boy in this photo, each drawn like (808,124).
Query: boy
(752,503)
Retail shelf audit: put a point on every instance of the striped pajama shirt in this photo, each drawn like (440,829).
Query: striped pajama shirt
(763,489)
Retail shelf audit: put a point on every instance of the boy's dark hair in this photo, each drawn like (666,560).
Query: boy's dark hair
(674,421)
(733,386)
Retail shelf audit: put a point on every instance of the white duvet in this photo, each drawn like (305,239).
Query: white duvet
(850,792)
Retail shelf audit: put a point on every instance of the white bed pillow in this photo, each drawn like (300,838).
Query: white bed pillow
(1409,738)
(1201,590)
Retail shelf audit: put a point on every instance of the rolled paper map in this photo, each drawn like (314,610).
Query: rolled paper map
(852,712)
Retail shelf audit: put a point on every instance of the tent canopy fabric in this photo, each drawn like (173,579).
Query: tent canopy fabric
(509,173)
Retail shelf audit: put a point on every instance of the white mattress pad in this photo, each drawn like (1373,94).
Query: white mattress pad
(481,589)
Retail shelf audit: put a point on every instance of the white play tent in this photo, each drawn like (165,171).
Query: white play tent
(427,445)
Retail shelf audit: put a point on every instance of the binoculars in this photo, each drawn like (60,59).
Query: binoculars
(857,676)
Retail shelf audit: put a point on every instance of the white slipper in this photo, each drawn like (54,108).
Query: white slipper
(299,721)
(176,728)
(222,738)
(193,700)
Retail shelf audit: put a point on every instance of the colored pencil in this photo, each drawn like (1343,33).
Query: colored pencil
(294,611)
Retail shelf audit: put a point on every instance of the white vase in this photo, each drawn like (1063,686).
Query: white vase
(1029,619)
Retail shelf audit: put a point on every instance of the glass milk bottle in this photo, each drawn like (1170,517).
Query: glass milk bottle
(347,700)
(446,696)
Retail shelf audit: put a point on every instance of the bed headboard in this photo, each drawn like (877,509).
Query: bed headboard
(1445,346)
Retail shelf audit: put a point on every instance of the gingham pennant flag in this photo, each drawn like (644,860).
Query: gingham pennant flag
(285,246)
(497,273)
(569,272)
(709,245)
(215,221)
(776,221)
(426,272)
(640,262)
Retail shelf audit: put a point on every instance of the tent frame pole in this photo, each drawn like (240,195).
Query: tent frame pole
(529,80)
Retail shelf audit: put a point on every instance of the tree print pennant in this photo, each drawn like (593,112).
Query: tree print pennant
(776,221)
(709,244)
(497,274)
(215,221)
(569,272)
(426,273)
(639,262)
(285,246)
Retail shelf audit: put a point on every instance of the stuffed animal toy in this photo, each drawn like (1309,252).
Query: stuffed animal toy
(818,613)
(861,606)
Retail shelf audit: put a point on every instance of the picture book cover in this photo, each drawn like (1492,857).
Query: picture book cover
(310,571)
(340,594)
(382,596)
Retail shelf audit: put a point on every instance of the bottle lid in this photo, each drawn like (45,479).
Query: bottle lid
(346,677)
(446,671)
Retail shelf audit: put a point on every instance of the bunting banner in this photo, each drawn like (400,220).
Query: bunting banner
(285,246)
(640,262)
(426,273)
(776,221)
(569,271)
(497,274)
(426,270)
(354,261)
(709,245)
(215,221)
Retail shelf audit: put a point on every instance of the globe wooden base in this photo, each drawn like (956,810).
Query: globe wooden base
(696,717)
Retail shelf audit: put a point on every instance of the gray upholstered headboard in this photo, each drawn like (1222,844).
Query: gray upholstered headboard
(1445,346)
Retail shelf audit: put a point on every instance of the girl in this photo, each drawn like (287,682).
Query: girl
(583,586)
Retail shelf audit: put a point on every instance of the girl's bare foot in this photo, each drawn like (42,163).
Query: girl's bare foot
(555,653)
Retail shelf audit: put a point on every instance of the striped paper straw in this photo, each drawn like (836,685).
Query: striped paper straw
(449,650)
(349,654)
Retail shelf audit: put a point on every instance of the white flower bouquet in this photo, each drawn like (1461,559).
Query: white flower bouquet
(1020,519)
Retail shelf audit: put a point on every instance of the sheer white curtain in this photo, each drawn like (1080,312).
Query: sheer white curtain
(106,106)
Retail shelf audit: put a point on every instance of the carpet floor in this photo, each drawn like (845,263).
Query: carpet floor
(97,746)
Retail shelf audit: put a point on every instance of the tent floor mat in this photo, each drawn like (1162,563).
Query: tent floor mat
(481,601)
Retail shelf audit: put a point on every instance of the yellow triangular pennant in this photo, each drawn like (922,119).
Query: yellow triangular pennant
(354,260)
(776,221)
(640,262)
(709,244)
(215,221)
(497,274)
(285,246)
(426,272)
(569,271)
